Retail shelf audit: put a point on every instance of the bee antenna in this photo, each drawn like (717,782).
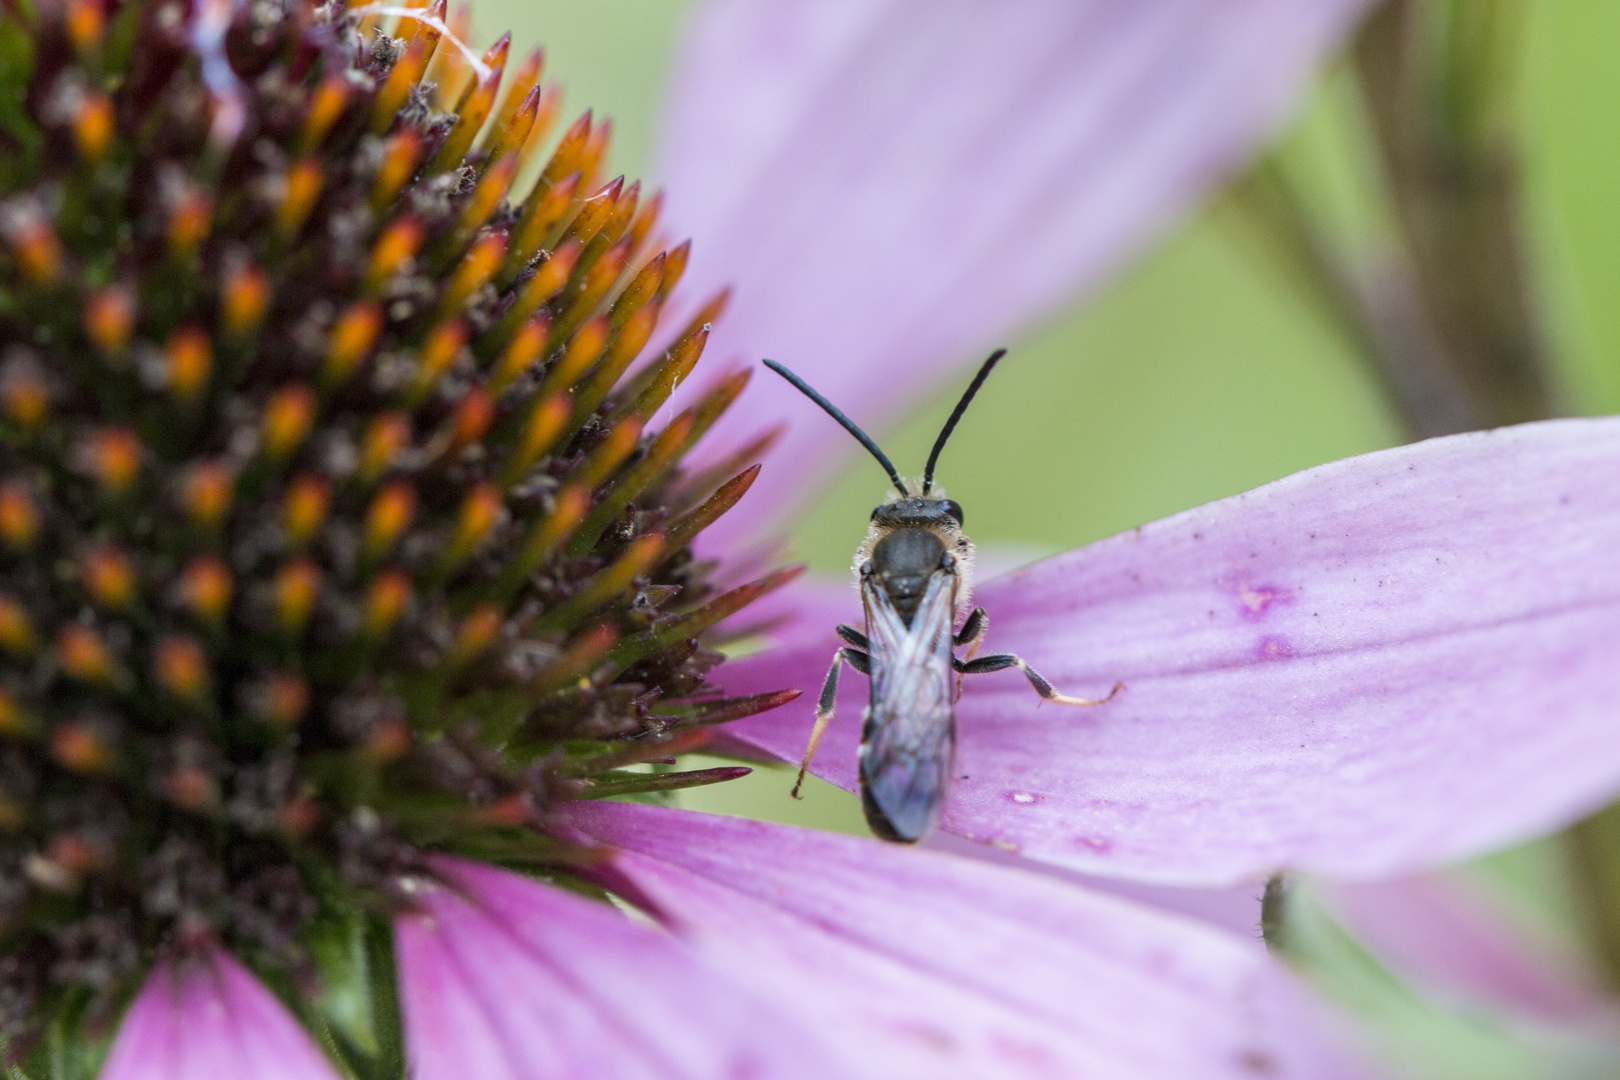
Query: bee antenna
(956,414)
(849,425)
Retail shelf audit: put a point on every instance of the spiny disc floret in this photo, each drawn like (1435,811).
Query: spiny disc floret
(334,526)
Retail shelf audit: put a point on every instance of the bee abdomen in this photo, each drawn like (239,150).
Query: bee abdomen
(903,777)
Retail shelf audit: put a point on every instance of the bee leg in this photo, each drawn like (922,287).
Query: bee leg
(972,634)
(827,704)
(973,628)
(1006,660)
(854,637)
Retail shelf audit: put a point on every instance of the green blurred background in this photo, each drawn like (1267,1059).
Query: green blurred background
(1200,370)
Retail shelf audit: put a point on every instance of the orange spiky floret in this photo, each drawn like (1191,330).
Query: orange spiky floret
(474,110)
(393,251)
(402,77)
(398,161)
(109,318)
(594,153)
(512,131)
(523,89)
(385,437)
(541,214)
(387,519)
(326,103)
(322,451)
(205,588)
(19,522)
(189,357)
(243,302)
(385,602)
(450,74)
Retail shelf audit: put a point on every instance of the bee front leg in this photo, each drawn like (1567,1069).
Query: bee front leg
(827,704)
(1006,660)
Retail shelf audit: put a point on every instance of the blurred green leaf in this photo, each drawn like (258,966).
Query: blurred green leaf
(1421,1038)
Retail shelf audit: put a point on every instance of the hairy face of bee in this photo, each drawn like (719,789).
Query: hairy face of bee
(906,538)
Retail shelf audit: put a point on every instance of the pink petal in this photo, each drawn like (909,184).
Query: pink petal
(509,979)
(1381,664)
(933,966)
(895,186)
(1453,936)
(1235,910)
(800,611)
(206,1017)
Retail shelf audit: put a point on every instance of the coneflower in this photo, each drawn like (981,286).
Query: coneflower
(337,526)
(346,570)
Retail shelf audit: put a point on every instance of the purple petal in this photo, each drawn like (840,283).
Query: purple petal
(894,186)
(502,978)
(1378,665)
(1453,936)
(936,966)
(1235,910)
(205,1017)
(800,611)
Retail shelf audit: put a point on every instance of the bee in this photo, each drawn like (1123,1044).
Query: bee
(915,572)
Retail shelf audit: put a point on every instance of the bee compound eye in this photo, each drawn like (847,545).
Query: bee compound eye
(947,560)
(866,568)
(954,509)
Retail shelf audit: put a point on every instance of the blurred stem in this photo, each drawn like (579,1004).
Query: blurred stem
(1445,313)
(1437,77)
(1373,305)
(1595,844)
(1410,1033)
(1453,173)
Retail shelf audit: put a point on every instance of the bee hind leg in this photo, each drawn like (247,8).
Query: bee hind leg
(985,664)
(827,704)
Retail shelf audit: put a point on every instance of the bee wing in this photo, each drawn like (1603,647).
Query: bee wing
(909,733)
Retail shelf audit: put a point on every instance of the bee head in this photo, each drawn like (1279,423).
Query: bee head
(918,512)
(905,543)
(920,525)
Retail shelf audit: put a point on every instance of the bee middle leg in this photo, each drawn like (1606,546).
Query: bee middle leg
(985,664)
(827,704)
(974,627)
(854,637)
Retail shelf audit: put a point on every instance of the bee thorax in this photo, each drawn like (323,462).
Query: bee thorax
(903,561)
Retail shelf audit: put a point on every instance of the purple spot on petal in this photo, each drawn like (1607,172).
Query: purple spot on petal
(1258,598)
(1028,1054)
(935,1038)
(1255,600)
(1272,647)
(1257,1062)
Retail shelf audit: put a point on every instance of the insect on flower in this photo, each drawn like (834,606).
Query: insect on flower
(915,571)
